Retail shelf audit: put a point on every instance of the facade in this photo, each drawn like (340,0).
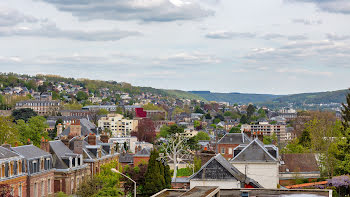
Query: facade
(129,141)
(70,168)
(142,156)
(13,171)
(156,114)
(110,108)
(40,181)
(258,161)
(41,107)
(75,113)
(118,125)
(267,129)
(229,142)
(219,172)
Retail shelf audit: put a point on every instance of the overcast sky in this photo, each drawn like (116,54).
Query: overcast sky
(251,46)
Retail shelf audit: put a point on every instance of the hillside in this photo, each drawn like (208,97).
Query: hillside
(314,98)
(239,98)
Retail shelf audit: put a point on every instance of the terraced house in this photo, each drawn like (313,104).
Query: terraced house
(13,171)
(40,180)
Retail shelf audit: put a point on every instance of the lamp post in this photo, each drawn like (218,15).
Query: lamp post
(116,171)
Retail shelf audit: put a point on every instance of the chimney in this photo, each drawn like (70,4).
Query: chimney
(7,146)
(65,140)
(92,139)
(249,133)
(104,138)
(59,129)
(44,145)
(75,128)
(78,146)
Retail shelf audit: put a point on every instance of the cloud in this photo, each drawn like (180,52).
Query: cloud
(149,10)
(302,71)
(50,30)
(326,53)
(11,17)
(229,35)
(307,21)
(188,59)
(337,37)
(273,36)
(13,59)
(333,6)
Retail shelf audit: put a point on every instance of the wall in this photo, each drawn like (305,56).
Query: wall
(227,149)
(38,178)
(222,184)
(266,174)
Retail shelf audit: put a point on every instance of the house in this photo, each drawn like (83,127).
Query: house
(142,156)
(230,141)
(292,168)
(258,161)
(95,152)
(40,181)
(219,172)
(13,171)
(70,168)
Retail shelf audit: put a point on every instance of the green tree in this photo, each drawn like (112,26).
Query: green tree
(72,106)
(244,119)
(228,113)
(164,131)
(201,135)
(174,128)
(53,133)
(23,114)
(197,109)
(250,110)
(294,147)
(82,96)
(208,116)
(55,95)
(155,177)
(235,130)
(8,131)
(34,130)
(346,113)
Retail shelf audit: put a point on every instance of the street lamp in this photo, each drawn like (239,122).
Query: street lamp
(116,171)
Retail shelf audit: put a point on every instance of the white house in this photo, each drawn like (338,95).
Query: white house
(259,162)
(219,172)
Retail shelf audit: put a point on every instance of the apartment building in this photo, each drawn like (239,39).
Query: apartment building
(41,107)
(267,129)
(119,126)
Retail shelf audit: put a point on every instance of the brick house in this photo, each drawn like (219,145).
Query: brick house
(142,156)
(40,181)
(70,168)
(230,141)
(13,171)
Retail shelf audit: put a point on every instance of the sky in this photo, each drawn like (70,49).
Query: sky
(248,46)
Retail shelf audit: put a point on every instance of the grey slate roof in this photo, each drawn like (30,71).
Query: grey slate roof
(6,153)
(234,138)
(254,152)
(227,168)
(144,152)
(126,158)
(59,148)
(30,151)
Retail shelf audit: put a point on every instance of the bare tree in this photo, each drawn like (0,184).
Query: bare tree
(176,149)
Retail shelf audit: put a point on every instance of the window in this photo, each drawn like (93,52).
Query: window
(72,186)
(42,188)
(35,190)
(223,150)
(48,186)
(20,191)
(230,151)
